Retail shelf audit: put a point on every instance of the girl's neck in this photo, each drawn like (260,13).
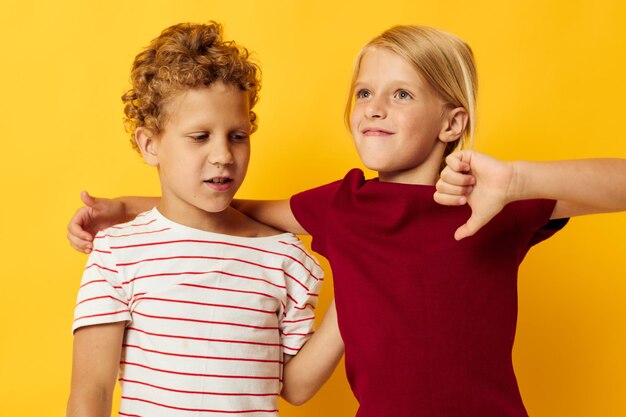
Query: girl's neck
(426,173)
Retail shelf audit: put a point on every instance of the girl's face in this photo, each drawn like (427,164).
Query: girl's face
(397,120)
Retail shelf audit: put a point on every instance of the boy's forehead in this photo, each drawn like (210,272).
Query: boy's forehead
(215,100)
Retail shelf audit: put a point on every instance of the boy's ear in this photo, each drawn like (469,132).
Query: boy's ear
(148,144)
(454,125)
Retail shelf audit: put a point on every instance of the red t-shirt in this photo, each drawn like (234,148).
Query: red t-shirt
(428,322)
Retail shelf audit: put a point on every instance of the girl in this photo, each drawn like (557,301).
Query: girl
(428,320)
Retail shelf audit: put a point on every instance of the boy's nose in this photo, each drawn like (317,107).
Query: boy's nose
(220,154)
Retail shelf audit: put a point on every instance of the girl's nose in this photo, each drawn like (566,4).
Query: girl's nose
(375,109)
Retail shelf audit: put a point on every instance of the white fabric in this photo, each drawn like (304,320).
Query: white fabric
(209,315)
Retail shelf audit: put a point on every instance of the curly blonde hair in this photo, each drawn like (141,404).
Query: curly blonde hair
(185,56)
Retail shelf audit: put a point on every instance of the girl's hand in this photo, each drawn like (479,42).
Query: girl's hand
(478,180)
(95,215)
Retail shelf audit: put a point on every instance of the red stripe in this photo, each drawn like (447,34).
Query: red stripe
(101,251)
(307,254)
(297,334)
(222,376)
(205,272)
(128,225)
(128,415)
(200,356)
(209,287)
(219,259)
(100,267)
(99,236)
(205,321)
(204,339)
(101,297)
(214,242)
(199,410)
(304,307)
(232,394)
(165,300)
(298,321)
(95,281)
(100,315)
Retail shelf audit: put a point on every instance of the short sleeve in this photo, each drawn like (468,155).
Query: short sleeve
(101,297)
(533,216)
(303,284)
(311,209)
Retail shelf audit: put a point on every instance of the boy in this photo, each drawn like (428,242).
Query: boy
(194,302)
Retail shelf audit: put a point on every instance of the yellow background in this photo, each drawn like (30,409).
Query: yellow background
(551,87)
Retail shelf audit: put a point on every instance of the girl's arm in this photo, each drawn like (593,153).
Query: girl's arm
(580,187)
(305,373)
(95,363)
(100,213)
(275,213)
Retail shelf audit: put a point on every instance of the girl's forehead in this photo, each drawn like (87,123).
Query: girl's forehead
(378,64)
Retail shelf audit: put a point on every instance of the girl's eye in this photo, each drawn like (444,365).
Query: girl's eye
(403,95)
(363,94)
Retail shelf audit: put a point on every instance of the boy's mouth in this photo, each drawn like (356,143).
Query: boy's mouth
(219,180)
(220,184)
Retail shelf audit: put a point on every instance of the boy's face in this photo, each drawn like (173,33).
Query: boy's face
(396,119)
(203,151)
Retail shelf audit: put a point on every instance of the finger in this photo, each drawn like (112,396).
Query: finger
(454,190)
(473,225)
(449,200)
(460,161)
(75,228)
(87,199)
(78,244)
(457,178)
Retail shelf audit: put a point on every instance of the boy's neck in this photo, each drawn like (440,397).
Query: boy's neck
(227,222)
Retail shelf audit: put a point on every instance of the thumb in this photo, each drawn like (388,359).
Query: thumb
(87,199)
(473,225)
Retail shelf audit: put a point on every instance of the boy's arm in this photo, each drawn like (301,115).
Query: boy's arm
(95,363)
(580,187)
(305,373)
(99,213)
(275,213)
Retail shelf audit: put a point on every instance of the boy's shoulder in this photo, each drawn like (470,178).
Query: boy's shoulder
(144,222)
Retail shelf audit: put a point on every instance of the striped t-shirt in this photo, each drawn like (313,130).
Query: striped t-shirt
(208,315)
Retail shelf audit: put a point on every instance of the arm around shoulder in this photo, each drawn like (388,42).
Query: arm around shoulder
(275,213)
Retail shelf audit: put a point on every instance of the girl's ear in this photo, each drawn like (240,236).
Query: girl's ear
(148,145)
(454,125)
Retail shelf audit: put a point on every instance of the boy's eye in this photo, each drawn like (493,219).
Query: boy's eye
(239,137)
(403,95)
(199,137)
(363,94)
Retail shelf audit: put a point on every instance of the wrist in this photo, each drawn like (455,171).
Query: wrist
(124,209)
(517,184)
